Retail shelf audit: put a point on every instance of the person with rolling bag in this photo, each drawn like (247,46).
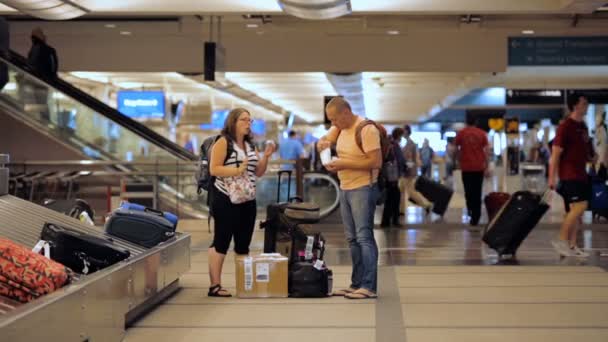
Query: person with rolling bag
(233,192)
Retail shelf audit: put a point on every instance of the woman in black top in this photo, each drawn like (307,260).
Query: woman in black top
(233,156)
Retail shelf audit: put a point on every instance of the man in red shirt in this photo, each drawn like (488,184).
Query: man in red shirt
(472,144)
(572,150)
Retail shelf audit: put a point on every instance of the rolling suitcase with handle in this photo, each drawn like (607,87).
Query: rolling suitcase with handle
(281,215)
(437,193)
(515,221)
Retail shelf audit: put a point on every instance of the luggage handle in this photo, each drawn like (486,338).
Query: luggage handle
(154,211)
(280,174)
(296,199)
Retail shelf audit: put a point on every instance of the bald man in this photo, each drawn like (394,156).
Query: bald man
(357,170)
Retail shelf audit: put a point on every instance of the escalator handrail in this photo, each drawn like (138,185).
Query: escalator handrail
(114,115)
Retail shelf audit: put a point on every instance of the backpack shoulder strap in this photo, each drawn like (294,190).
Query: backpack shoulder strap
(358,130)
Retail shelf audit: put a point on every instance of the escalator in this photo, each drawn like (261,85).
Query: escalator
(99,132)
(94,130)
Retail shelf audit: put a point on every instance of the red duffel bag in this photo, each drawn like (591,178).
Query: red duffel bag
(494,201)
(25,275)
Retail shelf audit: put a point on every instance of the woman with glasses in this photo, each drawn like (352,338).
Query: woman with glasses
(235,163)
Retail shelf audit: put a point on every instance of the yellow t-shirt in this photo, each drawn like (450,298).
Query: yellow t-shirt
(347,148)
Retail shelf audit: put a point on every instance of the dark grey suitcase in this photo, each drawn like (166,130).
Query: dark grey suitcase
(139,227)
(514,222)
(439,194)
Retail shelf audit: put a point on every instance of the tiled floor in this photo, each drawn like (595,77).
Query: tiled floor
(437,282)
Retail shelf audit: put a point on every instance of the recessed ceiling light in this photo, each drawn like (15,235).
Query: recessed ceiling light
(260,32)
(392,32)
(125,33)
(252,25)
(110,25)
(527,31)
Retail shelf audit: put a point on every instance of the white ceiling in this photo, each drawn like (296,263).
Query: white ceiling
(389,97)
(301,93)
(368,6)
(176,86)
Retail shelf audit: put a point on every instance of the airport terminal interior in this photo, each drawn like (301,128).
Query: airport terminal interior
(106,106)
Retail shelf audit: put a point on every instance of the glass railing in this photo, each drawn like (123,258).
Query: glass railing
(96,136)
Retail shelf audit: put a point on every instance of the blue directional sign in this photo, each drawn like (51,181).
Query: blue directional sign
(556,51)
(142,104)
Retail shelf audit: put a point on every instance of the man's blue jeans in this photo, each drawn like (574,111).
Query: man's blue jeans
(357,207)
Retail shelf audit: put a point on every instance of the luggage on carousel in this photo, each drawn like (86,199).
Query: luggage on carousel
(25,275)
(437,193)
(515,221)
(145,228)
(494,201)
(72,207)
(138,207)
(81,252)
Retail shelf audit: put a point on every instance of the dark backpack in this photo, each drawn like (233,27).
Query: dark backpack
(204,180)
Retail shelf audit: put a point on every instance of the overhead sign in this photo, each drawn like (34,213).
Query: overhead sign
(557,51)
(593,95)
(142,104)
(534,96)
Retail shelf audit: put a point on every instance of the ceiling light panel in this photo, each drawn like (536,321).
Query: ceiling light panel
(49,10)
(316,9)
(301,93)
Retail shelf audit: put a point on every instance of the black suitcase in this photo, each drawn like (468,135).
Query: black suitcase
(275,217)
(72,208)
(514,222)
(437,193)
(80,252)
(306,281)
(143,228)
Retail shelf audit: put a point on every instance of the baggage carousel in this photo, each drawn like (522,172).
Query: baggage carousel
(99,306)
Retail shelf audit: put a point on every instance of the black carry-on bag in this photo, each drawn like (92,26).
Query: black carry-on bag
(81,252)
(515,221)
(437,193)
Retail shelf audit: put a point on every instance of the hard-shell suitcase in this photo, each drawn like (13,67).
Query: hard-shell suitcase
(307,280)
(138,207)
(25,275)
(140,227)
(437,193)
(494,201)
(81,252)
(514,222)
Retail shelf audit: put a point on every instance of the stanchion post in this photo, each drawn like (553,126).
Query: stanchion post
(300,178)
(4,174)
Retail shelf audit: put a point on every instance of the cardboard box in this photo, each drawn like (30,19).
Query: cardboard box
(261,276)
